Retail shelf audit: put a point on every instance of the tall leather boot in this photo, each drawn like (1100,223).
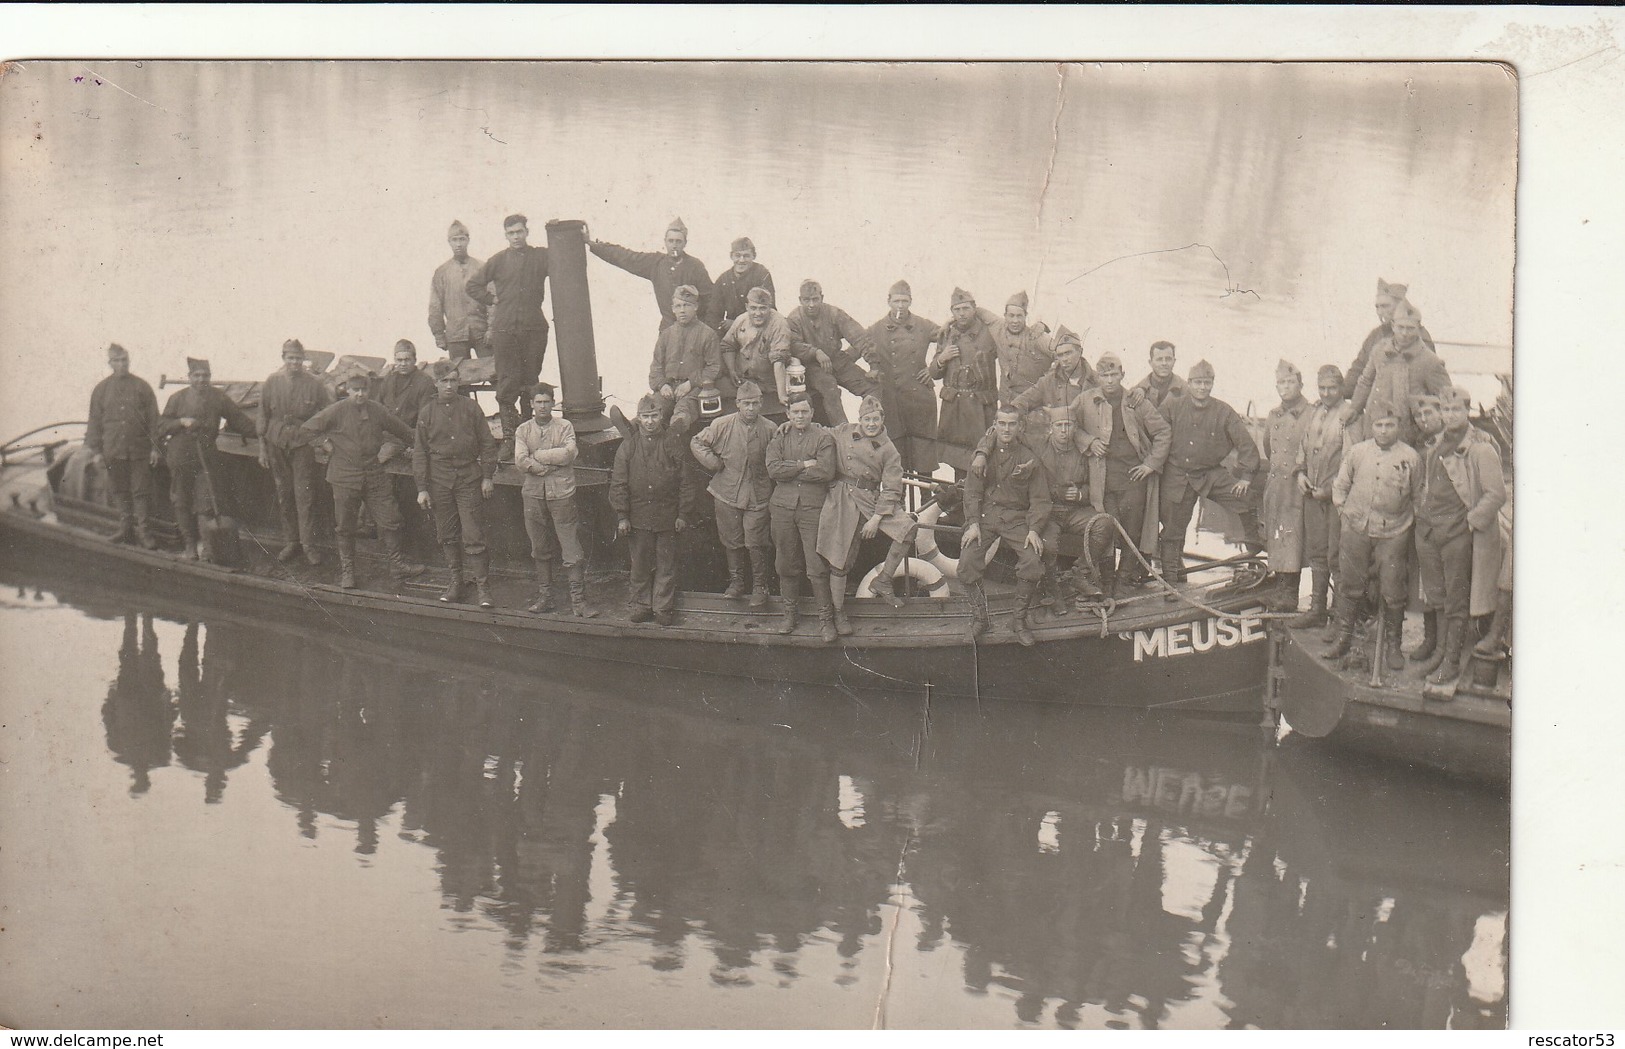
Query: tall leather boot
(544,588)
(1493,645)
(1344,622)
(1454,631)
(1285,596)
(1026,592)
(837,599)
(126,520)
(1173,568)
(885,585)
(736,574)
(1061,586)
(1393,627)
(789,591)
(1315,614)
(978,612)
(826,614)
(1423,652)
(758,575)
(453,553)
(346,563)
(578,592)
(143,521)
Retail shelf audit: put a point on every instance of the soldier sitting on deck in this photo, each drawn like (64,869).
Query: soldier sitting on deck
(687,359)
(1010,503)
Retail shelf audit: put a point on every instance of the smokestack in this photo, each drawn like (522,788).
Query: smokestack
(572,321)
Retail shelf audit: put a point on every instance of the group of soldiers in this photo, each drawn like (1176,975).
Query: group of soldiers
(1382,474)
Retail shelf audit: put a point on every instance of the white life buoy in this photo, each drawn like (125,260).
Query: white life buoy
(928,579)
(925,543)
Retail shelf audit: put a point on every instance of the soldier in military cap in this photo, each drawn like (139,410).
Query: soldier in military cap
(1010,501)
(454,461)
(189,426)
(122,435)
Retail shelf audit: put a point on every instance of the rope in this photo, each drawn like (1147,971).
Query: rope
(1186,598)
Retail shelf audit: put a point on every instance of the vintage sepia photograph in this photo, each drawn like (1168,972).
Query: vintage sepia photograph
(741,544)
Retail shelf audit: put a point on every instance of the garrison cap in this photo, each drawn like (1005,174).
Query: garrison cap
(811,287)
(742,244)
(1065,336)
(1060,413)
(686,293)
(676,226)
(1405,311)
(1452,396)
(1424,400)
(748,388)
(870,405)
(759,297)
(294,346)
(1018,299)
(1329,373)
(115,350)
(405,344)
(1109,356)
(960,295)
(901,288)
(1393,291)
(196,364)
(457,229)
(1201,370)
(648,403)
(444,370)
(1285,369)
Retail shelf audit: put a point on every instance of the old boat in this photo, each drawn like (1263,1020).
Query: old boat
(1204,653)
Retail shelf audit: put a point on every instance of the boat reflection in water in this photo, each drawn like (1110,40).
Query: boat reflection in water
(728,856)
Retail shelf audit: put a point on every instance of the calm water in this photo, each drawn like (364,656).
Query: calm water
(218,208)
(225,823)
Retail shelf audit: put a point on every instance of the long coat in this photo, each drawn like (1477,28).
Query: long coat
(1147,431)
(868,481)
(898,352)
(1475,470)
(649,486)
(969,390)
(1282,512)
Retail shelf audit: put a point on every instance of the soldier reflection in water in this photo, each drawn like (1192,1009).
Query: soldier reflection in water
(138,714)
(204,742)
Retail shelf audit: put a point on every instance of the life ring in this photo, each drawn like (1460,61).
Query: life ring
(928,579)
(925,543)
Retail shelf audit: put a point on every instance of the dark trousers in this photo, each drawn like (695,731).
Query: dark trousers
(795,542)
(189,490)
(459,519)
(654,570)
(1011,526)
(826,384)
(519,357)
(459,351)
(1322,526)
(1358,554)
(129,482)
(378,494)
(1445,556)
(1127,504)
(1176,512)
(295,472)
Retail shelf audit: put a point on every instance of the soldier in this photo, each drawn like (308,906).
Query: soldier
(732,287)
(1024,350)
(289,397)
(1388,297)
(666,271)
(1325,439)
(545,452)
(866,499)
(1458,537)
(189,427)
(512,283)
(967,363)
(899,361)
(1059,387)
(734,450)
(687,359)
(1131,439)
(1011,503)
(122,435)
(454,461)
(756,349)
(456,319)
(357,429)
(1401,368)
(1073,472)
(405,388)
(654,497)
(801,462)
(1162,383)
(816,334)
(1282,509)
(1204,430)
(1376,491)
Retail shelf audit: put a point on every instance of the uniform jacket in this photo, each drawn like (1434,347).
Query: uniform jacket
(686,352)
(519,276)
(286,401)
(1324,440)
(898,352)
(666,274)
(1147,431)
(1362,360)
(1394,377)
(1474,469)
(453,436)
(1013,481)
(208,407)
(1281,513)
(1163,400)
(649,485)
(969,385)
(825,332)
(545,454)
(1199,439)
(123,418)
(454,315)
(405,395)
(1377,488)
(754,352)
(357,431)
(795,483)
(736,453)
(1023,358)
(868,481)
